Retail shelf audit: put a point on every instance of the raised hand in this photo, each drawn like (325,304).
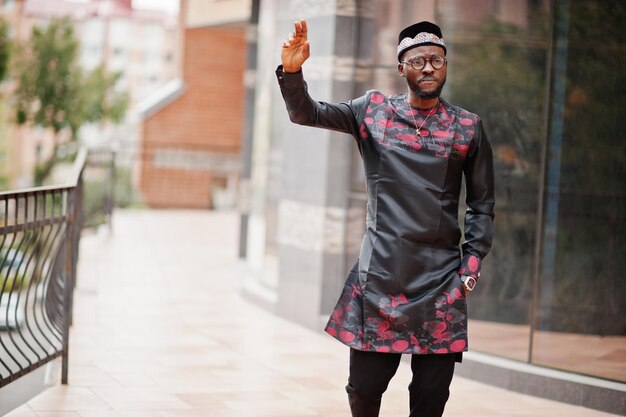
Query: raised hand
(295,50)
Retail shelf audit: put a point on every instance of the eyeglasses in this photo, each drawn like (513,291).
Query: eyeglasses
(419,63)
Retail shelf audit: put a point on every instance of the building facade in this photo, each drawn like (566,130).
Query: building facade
(547,78)
(140,44)
(191,135)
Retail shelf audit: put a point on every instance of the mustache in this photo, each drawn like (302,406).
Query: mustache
(415,86)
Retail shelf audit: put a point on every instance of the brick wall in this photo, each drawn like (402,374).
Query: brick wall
(207,118)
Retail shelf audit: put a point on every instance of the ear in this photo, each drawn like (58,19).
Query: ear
(401,70)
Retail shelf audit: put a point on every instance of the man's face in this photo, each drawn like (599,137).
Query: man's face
(428,82)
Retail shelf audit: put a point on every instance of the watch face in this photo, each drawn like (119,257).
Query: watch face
(470,282)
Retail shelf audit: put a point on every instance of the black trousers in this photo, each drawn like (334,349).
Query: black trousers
(370,373)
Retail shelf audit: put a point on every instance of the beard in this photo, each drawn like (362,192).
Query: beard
(426,94)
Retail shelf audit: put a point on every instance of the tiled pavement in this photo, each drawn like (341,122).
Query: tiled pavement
(160,331)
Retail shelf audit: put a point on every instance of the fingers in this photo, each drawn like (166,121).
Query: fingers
(300,29)
(290,41)
(297,26)
(299,36)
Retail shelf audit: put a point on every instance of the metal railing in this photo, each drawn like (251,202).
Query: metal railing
(98,182)
(40,232)
(39,236)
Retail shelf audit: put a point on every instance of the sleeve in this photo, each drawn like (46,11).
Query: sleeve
(304,110)
(480,200)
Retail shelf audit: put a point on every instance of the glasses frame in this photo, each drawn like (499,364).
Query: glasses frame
(426,61)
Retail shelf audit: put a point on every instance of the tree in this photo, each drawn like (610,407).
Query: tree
(54,92)
(97,99)
(5,53)
(46,77)
(5,48)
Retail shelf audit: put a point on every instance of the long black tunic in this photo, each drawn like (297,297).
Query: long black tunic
(404,294)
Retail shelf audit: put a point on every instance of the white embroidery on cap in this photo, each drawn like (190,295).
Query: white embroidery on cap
(420,38)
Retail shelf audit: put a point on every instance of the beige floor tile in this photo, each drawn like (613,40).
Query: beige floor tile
(268,408)
(133,379)
(139,413)
(23,411)
(198,412)
(91,376)
(225,413)
(161,331)
(125,413)
(99,413)
(67,398)
(139,398)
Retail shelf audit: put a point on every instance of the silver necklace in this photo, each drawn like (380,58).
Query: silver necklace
(418,131)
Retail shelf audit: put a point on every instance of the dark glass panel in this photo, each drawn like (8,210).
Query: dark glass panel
(497,64)
(581,316)
(497,70)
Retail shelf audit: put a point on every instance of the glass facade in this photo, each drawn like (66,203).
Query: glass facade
(548,80)
(579,311)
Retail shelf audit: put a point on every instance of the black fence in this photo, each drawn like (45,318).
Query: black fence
(99,181)
(39,237)
(40,231)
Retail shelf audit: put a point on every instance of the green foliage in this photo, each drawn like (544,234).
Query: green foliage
(5,48)
(13,275)
(4,144)
(97,100)
(46,72)
(13,282)
(53,92)
(110,188)
(43,169)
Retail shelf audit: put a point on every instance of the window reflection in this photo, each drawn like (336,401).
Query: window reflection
(582,303)
(498,71)
(567,281)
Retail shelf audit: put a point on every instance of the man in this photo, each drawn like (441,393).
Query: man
(406,293)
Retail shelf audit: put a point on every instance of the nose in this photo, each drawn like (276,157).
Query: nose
(428,68)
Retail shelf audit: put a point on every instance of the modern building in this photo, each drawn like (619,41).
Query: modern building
(191,129)
(140,44)
(547,78)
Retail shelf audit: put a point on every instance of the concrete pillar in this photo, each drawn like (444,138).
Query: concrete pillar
(301,175)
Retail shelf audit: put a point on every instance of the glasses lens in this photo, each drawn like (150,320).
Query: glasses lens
(437,62)
(418,63)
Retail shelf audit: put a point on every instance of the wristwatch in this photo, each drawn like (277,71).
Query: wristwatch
(469,282)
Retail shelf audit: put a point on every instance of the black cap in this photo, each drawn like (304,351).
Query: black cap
(422,33)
